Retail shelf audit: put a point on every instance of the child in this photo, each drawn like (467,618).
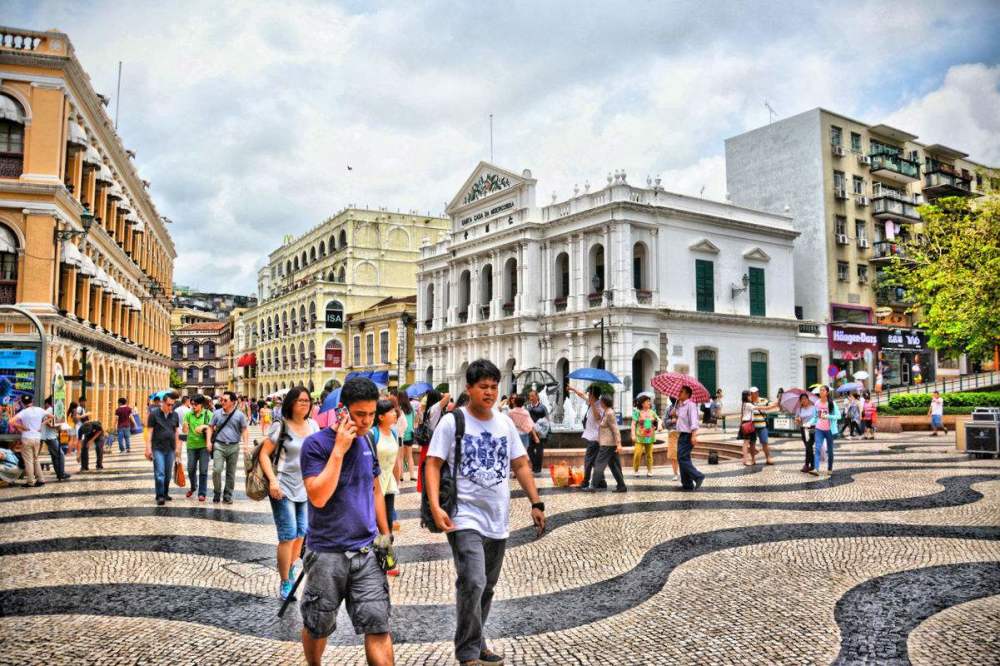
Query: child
(936,413)
(644,426)
(869,417)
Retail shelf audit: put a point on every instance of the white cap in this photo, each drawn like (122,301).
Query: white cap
(754,389)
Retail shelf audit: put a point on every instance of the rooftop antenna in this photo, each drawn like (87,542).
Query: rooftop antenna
(771,113)
(491,137)
(118,95)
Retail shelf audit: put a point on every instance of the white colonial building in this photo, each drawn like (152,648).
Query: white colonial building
(635,279)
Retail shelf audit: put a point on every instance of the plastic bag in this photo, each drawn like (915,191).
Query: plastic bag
(560,473)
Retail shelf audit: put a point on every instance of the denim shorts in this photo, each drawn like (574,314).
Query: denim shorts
(762,434)
(291,518)
(357,580)
(936,420)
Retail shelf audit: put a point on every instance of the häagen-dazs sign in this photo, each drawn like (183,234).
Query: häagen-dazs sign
(853,339)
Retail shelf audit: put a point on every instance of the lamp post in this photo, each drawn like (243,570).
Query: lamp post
(600,323)
(86,220)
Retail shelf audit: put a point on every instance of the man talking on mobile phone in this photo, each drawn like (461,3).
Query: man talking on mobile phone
(491,452)
(347,525)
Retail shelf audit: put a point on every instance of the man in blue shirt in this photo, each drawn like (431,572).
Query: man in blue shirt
(346,518)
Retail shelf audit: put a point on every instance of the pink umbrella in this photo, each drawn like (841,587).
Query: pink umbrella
(790,399)
(670,383)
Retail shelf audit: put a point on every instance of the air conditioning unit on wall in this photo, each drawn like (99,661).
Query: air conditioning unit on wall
(841,239)
(838,151)
(863,242)
(864,159)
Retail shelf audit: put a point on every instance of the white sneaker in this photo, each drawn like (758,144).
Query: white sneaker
(649,475)
(675,477)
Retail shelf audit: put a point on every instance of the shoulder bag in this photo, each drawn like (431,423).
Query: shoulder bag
(448,487)
(215,433)
(257,485)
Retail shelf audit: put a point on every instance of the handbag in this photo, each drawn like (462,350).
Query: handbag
(746,428)
(257,485)
(179,474)
(448,487)
(136,424)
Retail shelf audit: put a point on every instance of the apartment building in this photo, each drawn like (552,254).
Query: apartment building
(852,190)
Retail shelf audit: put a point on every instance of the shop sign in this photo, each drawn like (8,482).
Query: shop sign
(882,313)
(334,318)
(904,339)
(334,357)
(853,339)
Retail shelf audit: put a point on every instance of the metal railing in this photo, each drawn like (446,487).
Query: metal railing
(950,385)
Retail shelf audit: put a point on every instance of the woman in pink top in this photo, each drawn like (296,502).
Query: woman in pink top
(523,421)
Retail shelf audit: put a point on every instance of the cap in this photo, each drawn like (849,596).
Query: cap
(754,389)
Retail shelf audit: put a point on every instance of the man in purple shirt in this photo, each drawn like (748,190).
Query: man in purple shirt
(686,418)
(346,520)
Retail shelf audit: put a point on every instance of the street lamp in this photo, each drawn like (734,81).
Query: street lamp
(86,219)
(739,290)
(600,323)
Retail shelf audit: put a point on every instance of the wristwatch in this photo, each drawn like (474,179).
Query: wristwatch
(539,505)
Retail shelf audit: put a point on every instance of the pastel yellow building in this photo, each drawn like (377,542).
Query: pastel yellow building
(312,283)
(380,339)
(82,245)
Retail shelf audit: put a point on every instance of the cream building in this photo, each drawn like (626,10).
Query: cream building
(634,279)
(380,339)
(853,190)
(312,283)
(82,245)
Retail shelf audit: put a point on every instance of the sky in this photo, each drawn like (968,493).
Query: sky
(244,115)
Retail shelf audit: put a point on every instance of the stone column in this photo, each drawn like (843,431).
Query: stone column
(69,278)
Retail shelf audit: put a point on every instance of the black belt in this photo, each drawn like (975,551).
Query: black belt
(227,442)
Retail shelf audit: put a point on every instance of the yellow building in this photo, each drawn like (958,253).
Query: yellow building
(82,245)
(380,339)
(312,283)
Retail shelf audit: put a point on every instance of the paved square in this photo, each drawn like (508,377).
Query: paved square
(895,558)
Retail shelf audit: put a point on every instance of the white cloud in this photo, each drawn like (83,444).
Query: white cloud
(245,115)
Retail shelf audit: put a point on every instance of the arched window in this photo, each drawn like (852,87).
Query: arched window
(284,357)
(270,328)
(302,317)
(293,360)
(341,275)
(295,322)
(562,275)
(12,119)
(192,375)
(288,268)
(312,353)
(486,285)
(304,259)
(334,315)
(464,287)
(596,269)
(8,266)
(322,248)
(284,323)
(429,307)
(192,349)
(208,375)
(343,239)
(312,254)
(209,349)
(302,354)
(333,354)
(639,278)
(312,315)
(176,350)
(510,281)
(333,244)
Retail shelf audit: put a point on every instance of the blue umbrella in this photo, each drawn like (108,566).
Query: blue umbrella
(849,387)
(381,378)
(418,390)
(594,375)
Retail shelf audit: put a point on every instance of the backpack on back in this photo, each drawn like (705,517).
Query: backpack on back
(448,487)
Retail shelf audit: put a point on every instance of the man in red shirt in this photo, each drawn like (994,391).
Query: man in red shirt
(124,416)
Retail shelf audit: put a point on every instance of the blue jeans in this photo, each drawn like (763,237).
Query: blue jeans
(290,518)
(821,436)
(689,474)
(124,439)
(198,461)
(57,456)
(163,471)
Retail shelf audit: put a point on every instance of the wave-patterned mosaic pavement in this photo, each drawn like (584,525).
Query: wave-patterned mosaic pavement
(893,559)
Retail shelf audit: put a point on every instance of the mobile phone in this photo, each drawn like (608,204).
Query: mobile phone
(342,414)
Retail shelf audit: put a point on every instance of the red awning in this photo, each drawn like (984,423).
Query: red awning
(246,359)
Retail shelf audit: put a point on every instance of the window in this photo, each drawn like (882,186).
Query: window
(840,225)
(370,348)
(192,375)
(811,370)
(836,135)
(860,230)
(855,142)
(704,280)
(356,345)
(12,121)
(839,182)
(208,375)
(859,184)
(343,239)
(758,371)
(862,273)
(8,266)
(758,298)
(639,266)
(843,269)
(383,346)
(707,369)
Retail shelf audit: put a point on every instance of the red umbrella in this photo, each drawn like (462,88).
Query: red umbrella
(670,383)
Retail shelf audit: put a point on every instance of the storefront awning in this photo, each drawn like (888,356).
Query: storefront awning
(71,255)
(247,360)
(77,136)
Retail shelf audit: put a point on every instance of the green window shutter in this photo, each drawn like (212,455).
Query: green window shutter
(707,373)
(757,299)
(758,372)
(812,373)
(704,276)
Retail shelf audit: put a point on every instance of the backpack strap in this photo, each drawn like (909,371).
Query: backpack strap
(370,438)
(459,434)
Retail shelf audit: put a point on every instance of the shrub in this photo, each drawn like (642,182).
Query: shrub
(442,388)
(967,399)
(921,411)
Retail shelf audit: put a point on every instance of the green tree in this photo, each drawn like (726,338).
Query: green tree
(175,379)
(951,273)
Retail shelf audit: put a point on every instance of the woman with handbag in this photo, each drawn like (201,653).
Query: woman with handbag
(825,422)
(279,460)
(747,431)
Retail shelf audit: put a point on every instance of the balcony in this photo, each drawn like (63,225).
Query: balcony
(892,297)
(644,296)
(560,304)
(463,317)
(884,251)
(508,308)
(946,182)
(895,167)
(595,299)
(887,202)
(484,312)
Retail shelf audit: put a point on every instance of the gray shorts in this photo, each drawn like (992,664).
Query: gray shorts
(357,580)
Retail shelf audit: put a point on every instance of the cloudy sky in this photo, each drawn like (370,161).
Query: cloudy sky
(245,114)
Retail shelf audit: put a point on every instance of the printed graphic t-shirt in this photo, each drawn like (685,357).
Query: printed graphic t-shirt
(483,480)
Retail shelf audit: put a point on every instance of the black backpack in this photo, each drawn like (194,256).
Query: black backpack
(448,488)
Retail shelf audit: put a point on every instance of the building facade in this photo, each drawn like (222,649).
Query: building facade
(82,245)
(312,283)
(853,191)
(380,339)
(201,356)
(634,279)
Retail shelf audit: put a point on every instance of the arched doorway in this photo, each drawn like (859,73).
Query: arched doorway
(597,362)
(562,374)
(644,366)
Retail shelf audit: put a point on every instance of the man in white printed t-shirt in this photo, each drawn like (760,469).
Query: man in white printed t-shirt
(477,533)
